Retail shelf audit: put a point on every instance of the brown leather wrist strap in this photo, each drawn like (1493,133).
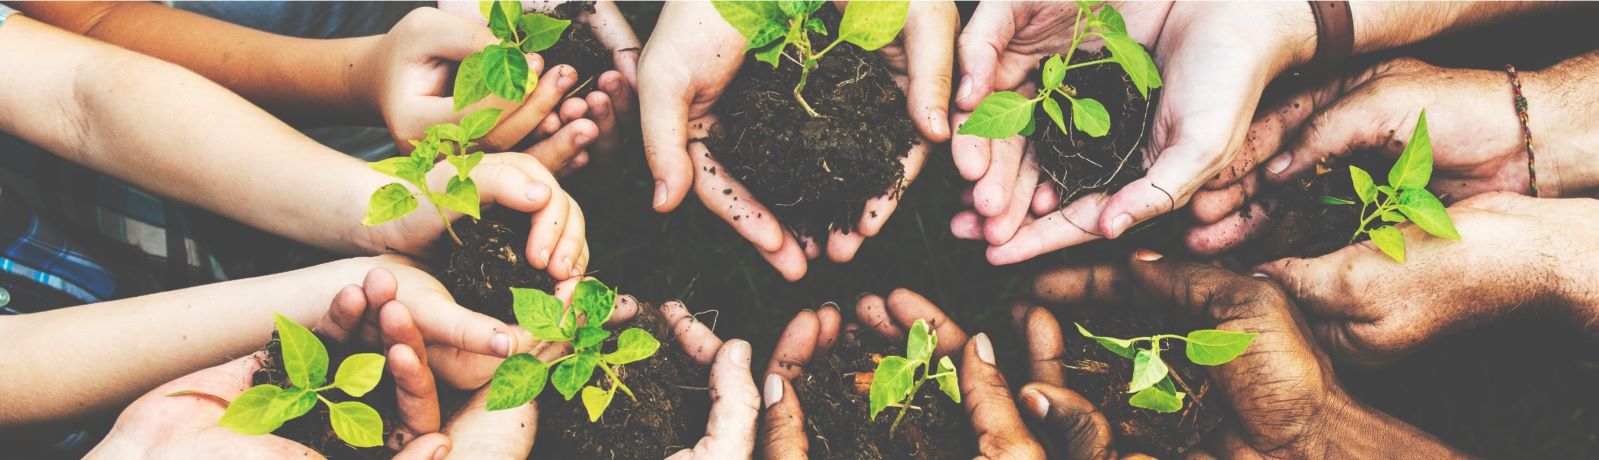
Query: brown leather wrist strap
(1335,34)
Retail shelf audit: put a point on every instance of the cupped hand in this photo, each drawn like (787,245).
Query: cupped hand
(735,402)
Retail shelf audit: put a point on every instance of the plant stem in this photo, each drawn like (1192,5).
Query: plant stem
(616,381)
(805,72)
(905,406)
(1089,63)
(444,216)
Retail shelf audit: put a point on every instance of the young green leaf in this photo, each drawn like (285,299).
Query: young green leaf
(759,22)
(290,404)
(359,373)
(1090,117)
(406,168)
(1032,124)
(872,24)
(594,301)
(518,380)
(816,26)
(459,196)
(949,381)
(596,400)
(505,72)
(501,20)
(633,345)
(1427,212)
(1054,72)
(252,412)
(539,313)
(1390,242)
(304,357)
(919,344)
(1414,167)
(770,53)
(1392,217)
(464,164)
(479,123)
(1163,397)
(356,423)
(1365,189)
(570,375)
(1052,108)
(798,8)
(891,383)
(1212,347)
(508,7)
(390,202)
(1002,114)
(469,84)
(1109,20)
(589,336)
(1133,59)
(540,31)
(447,131)
(1336,201)
(1148,369)
(1121,347)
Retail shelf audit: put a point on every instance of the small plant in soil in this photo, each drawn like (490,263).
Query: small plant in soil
(501,69)
(897,378)
(1152,385)
(453,141)
(1404,199)
(522,376)
(264,408)
(869,25)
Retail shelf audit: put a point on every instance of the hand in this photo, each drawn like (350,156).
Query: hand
(735,403)
(1286,400)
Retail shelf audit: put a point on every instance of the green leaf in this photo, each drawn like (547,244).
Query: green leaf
(798,8)
(1212,347)
(872,24)
(633,345)
(594,301)
(816,25)
(501,19)
(1390,242)
(1054,72)
(359,373)
(252,412)
(1107,19)
(1392,217)
(390,202)
(1133,59)
(540,31)
(459,196)
(505,72)
(470,86)
(1090,117)
(1427,212)
(1002,114)
(596,400)
(1052,108)
(1336,201)
(1387,190)
(891,383)
(919,344)
(356,423)
(479,123)
(518,380)
(464,164)
(1162,397)
(1121,347)
(447,131)
(1032,125)
(570,375)
(404,168)
(1414,167)
(1148,369)
(758,22)
(539,313)
(770,53)
(589,336)
(304,357)
(1365,189)
(949,381)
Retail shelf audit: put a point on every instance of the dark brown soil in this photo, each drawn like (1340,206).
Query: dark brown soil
(578,47)
(1102,377)
(670,414)
(835,391)
(816,174)
(480,272)
(1300,224)
(314,429)
(1081,164)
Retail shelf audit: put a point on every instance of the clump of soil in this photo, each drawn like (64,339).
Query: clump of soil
(1081,164)
(578,47)
(1102,377)
(480,272)
(1300,224)
(670,413)
(815,173)
(835,395)
(314,429)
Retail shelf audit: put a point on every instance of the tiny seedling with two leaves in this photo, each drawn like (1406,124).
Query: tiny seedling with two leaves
(898,378)
(1007,113)
(522,376)
(771,28)
(264,408)
(1152,385)
(1404,199)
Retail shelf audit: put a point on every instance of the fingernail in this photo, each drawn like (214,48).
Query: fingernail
(1278,164)
(1120,224)
(830,304)
(501,345)
(538,192)
(966,88)
(582,139)
(567,78)
(1146,255)
(985,349)
(660,193)
(1037,403)
(774,390)
(940,123)
(740,353)
(441,453)
(1260,275)
(544,257)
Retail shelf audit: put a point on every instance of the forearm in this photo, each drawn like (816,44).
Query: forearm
(1561,107)
(1355,430)
(302,80)
(1382,25)
(64,364)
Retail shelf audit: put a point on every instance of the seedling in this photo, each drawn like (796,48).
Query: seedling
(867,24)
(501,69)
(264,408)
(521,377)
(1152,385)
(898,378)
(1007,113)
(1405,198)
(460,193)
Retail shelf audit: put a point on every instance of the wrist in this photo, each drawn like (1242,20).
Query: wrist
(359,67)
(1559,112)
(1351,429)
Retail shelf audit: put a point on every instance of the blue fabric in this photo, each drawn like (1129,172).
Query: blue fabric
(5,12)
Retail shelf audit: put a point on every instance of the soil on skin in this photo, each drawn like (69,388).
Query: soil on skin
(815,174)
(1080,164)
(670,414)
(835,395)
(1102,377)
(578,48)
(490,261)
(314,429)
(1300,225)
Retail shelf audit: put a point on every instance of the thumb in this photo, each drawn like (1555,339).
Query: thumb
(1357,122)
(444,35)
(1070,425)
(1320,285)
(987,399)
(730,433)
(929,42)
(980,43)
(782,434)
(527,187)
(431,447)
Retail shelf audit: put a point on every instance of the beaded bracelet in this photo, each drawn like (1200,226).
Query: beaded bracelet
(1526,130)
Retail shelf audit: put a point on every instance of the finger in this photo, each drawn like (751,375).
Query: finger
(443,322)
(966,225)
(226,381)
(971,153)
(604,116)
(1075,224)
(728,199)
(539,103)
(828,320)
(987,399)
(1352,124)
(842,246)
(1045,198)
(783,423)
(626,308)
(559,149)
(619,91)
(1082,284)
(573,243)
(811,249)
(993,191)
(1002,227)
(906,307)
(1170,181)
(790,258)
(416,396)
(1210,206)
(1270,129)
(503,180)
(1231,231)
(795,346)
(735,406)
(1045,345)
(477,433)
(347,314)
(1068,423)
(572,109)
(434,446)
(872,312)
(697,340)
(1206,291)
(1323,285)
(880,207)
(985,36)
(612,30)
(464,38)
(930,43)
(663,109)
(545,237)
